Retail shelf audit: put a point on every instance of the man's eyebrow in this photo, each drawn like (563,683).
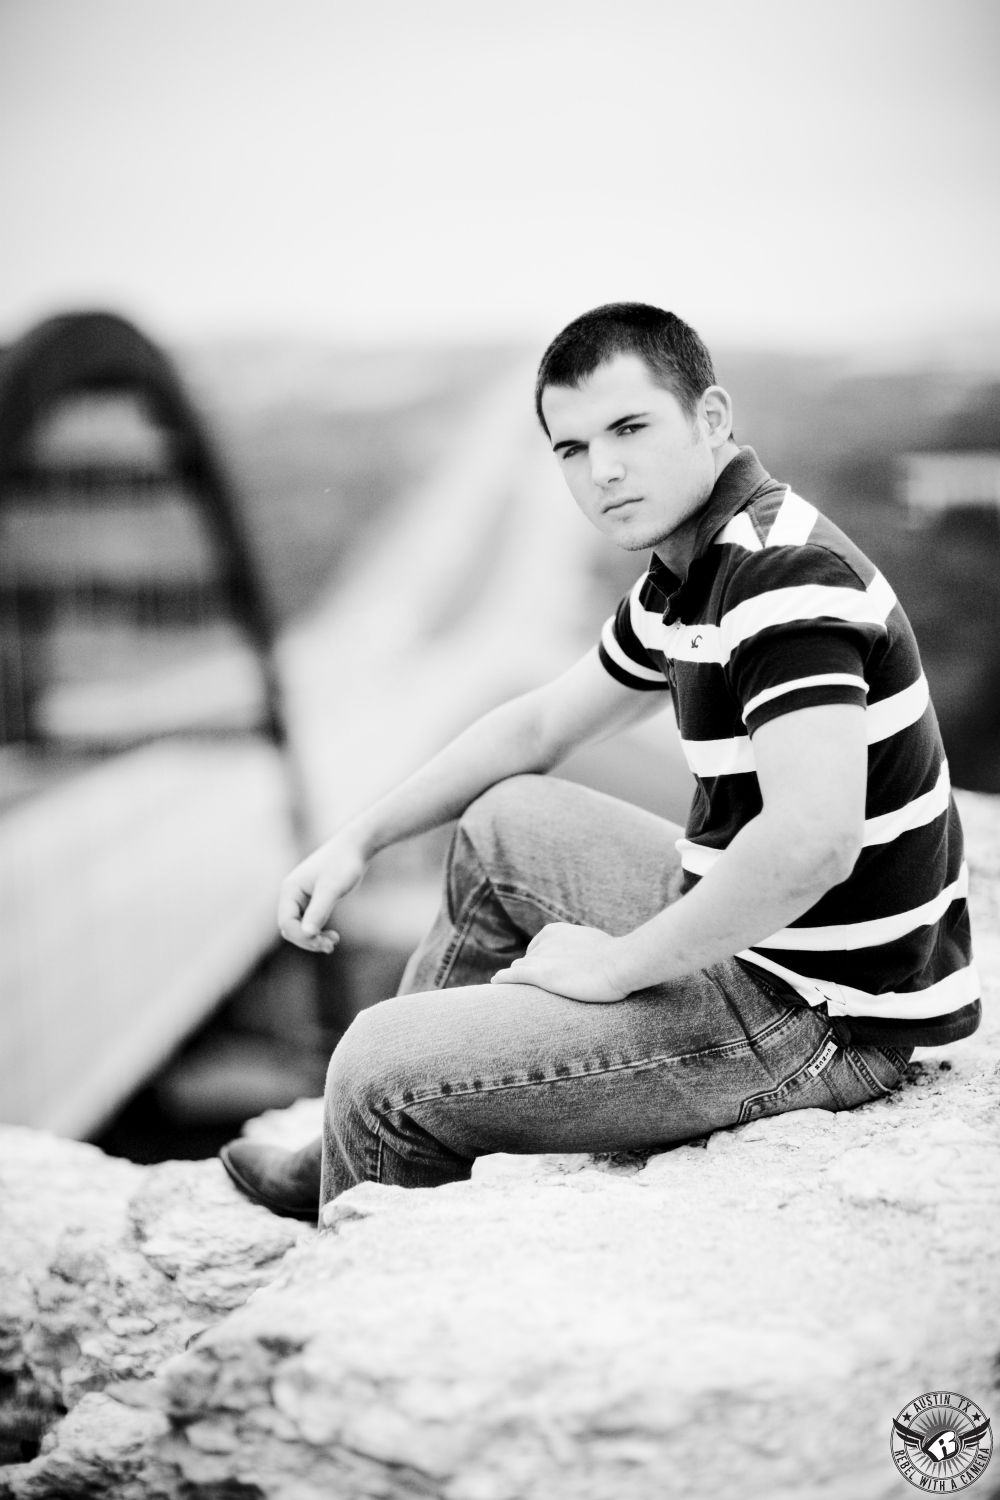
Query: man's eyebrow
(633,416)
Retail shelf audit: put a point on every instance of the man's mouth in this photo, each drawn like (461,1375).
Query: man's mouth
(618,503)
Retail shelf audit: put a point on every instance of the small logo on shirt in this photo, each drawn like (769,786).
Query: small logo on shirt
(696,641)
(941,1442)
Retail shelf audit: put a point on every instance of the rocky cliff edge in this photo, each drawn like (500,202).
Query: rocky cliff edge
(742,1316)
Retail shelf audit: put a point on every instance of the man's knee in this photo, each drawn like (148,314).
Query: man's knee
(358,1061)
(504,807)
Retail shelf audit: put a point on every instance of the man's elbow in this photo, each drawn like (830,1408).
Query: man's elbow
(845,847)
(539,748)
(825,855)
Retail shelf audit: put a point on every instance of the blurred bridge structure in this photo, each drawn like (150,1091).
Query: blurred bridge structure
(146,805)
(166,755)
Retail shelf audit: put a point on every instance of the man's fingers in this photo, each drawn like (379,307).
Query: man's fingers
(316,918)
(510,976)
(302,919)
(519,972)
(313,942)
(291,904)
(547,933)
(316,915)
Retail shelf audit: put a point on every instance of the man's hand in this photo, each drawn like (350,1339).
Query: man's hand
(578,962)
(310,893)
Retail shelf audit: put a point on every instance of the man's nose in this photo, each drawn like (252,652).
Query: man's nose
(606,466)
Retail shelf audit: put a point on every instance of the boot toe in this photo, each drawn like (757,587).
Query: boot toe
(263,1174)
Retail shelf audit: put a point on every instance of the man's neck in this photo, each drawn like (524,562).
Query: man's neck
(677,550)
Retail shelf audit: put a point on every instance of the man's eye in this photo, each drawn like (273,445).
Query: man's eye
(571,452)
(630,427)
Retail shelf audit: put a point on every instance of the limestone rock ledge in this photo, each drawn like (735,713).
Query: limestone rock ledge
(743,1316)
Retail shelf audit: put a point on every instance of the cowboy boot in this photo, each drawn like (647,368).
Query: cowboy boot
(286,1182)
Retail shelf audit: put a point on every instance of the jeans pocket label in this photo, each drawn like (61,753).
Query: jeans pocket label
(821,1059)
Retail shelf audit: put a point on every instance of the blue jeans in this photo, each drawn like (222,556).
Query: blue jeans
(454,1067)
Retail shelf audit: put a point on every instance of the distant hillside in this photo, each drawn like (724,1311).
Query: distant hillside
(809,417)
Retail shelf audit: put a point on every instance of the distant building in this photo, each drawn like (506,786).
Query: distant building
(933,483)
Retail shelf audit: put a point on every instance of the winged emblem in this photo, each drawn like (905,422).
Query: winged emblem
(941,1442)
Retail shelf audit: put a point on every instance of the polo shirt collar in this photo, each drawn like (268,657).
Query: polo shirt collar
(742,478)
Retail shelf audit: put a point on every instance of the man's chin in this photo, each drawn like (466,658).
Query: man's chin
(637,543)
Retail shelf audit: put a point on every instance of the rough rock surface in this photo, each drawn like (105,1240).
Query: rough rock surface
(742,1316)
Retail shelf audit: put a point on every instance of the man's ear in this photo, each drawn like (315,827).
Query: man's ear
(716,409)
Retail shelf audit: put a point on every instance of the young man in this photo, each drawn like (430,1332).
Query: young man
(597,978)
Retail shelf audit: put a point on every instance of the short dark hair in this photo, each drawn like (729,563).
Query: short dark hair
(674,354)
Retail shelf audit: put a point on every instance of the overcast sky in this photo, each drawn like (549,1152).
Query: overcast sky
(788,172)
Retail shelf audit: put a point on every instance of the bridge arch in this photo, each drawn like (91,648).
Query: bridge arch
(101,354)
(149,804)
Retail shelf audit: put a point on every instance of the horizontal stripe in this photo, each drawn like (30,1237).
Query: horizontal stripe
(634,596)
(850,936)
(722,757)
(792,526)
(679,642)
(699,642)
(822,679)
(794,522)
(777,627)
(611,645)
(897,712)
(804,602)
(953,992)
(626,679)
(728,757)
(698,859)
(916,814)
(740,532)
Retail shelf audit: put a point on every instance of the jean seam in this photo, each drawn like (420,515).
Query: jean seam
(459,934)
(774,1028)
(659,1059)
(460,929)
(792,1013)
(377,1164)
(769,1096)
(864,1073)
(640,1065)
(552,908)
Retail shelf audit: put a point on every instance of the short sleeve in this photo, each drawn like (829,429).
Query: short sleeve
(802,670)
(801,626)
(622,652)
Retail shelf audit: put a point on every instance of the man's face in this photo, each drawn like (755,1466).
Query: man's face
(636,464)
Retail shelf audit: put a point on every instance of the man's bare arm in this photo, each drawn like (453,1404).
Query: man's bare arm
(533,732)
(812,768)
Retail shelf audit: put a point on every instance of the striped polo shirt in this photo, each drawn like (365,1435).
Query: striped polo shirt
(780,611)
